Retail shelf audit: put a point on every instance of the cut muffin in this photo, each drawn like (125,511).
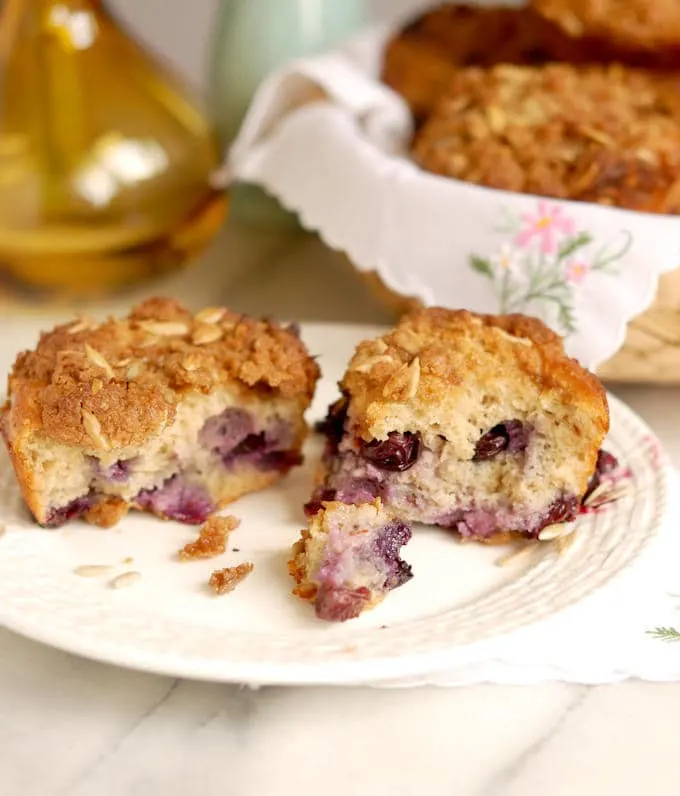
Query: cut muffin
(641,24)
(420,60)
(163,411)
(477,423)
(600,134)
(349,559)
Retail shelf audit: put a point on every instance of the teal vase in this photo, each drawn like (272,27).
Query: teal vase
(252,38)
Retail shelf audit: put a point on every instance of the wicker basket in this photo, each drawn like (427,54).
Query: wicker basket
(651,352)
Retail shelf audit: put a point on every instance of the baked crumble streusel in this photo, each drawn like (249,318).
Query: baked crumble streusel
(162,411)
(420,60)
(642,24)
(212,539)
(477,423)
(609,135)
(223,581)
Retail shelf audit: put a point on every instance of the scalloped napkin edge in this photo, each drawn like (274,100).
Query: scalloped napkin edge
(326,138)
(603,639)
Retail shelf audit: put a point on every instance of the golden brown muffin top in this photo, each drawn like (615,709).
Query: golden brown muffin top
(421,58)
(435,355)
(602,134)
(639,23)
(112,384)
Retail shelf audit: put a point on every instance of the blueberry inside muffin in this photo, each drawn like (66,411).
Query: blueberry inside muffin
(476,423)
(163,411)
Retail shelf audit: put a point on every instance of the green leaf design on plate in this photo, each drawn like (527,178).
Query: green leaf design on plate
(481,265)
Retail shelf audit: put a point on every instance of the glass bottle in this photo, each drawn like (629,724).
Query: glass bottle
(253,37)
(105,161)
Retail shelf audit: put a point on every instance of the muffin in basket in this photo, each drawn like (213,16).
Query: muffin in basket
(650,25)
(605,134)
(420,59)
(163,411)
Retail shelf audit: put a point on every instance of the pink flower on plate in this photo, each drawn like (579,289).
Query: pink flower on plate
(546,225)
(576,271)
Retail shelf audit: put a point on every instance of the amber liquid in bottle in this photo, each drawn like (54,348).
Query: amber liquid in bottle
(105,161)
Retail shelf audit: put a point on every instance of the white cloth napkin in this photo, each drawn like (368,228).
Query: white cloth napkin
(606,638)
(331,142)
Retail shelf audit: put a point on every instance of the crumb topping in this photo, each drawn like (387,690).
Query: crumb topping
(222,581)
(114,383)
(432,350)
(212,539)
(605,134)
(421,59)
(639,23)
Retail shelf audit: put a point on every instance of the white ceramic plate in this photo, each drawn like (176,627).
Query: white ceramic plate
(168,622)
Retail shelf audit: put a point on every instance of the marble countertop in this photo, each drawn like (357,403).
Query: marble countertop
(70,727)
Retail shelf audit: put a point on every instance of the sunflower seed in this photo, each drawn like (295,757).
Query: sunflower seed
(525,341)
(605,493)
(80,326)
(191,363)
(93,429)
(133,371)
(164,328)
(97,359)
(413,378)
(92,570)
(369,364)
(206,333)
(598,136)
(210,315)
(551,532)
(125,580)
(408,340)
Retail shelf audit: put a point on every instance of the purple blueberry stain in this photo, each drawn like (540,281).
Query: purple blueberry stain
(224,432)
(340,603)
(321,495)
(479,522)
(333,425)
(475,523)
(397,453)
(510,436)
(177,500)
(71,511)
(562,509)
(267,450)
(346,489)
(388,547)
(119,472)
(233,437)
(606,464)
